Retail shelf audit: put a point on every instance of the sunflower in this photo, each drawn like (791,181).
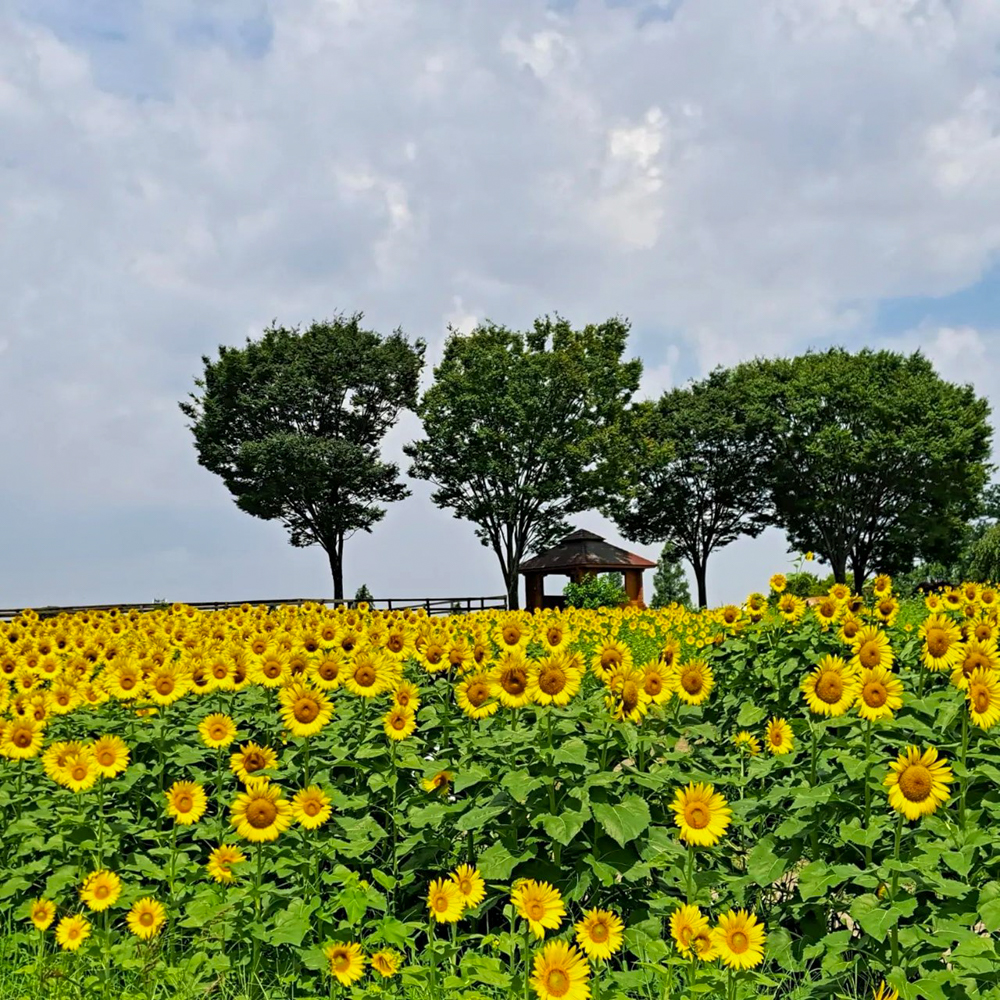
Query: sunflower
(657,682)
(827,610)
(445,901)
(473,695)
(386,962)
(221,861)
(80,772)
(512,633)
(626,697)
(439,782)
(669,653)
(100,890)
(885,992)
(791,608)
(22,740)
(407,695)
(250,759)
(470,884)
(305,711)
(261,813)
(984,697)
(217,730)
(886,609)
(399,723)
(609,656)
(72,931)
(871,649)
(271,669)
(918,783)
(747,743)
(146,918)
(347,963)
(42,913)
(553,635)
(686,923)
(831,688)
(882,585)
(553,680)
(110,755)
(327,668)
(693,681)
(976,655)
(540,904)
(560,972)
(369,674)
(599,933)
(942,643)
(778,737)
(167,684)
(778,582)
(311,807)
(703,945)
(510,680)
(739,940)
(701,813)
(880,693)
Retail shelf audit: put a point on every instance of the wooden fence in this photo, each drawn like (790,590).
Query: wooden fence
(432,605)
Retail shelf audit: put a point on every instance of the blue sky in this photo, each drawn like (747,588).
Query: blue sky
(737,179)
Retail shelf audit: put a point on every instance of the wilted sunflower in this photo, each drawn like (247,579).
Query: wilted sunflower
(831,688)
(445,901)
(686,923)
(305,711)
(540,904)
(470,884)
(311,807)
(918,783)
(880,693)
(560,972)
(473,694)
(261,813)
(600,933)
(942,643)
(871,649)
(221,861)
(146,918)
(701,813)
(186,802)
(217,730)
(984,698)
(694,681)
(739,940)
(778,737)
(399,723)
(42,913)
(510,680)
(251,759)
(100,890)
(553,681)
(347,962)
(110,755)
(385,962)
(72,931)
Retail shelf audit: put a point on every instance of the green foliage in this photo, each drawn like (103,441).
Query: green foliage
(873,459)
(984,556)
(806,584)
(363,594)
(669,582)
(596,590)
(293,424)
(514,426)
(685,470)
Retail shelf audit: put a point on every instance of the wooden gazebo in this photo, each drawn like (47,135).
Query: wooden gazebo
(576,556)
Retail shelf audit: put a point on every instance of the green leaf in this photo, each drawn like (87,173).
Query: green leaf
(469,776)
(573,751)
(750,715)
(625,821)
(293,923)
(763,865)
(496,863)
(564,827)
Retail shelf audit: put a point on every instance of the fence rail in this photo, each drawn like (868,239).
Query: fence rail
(432,605)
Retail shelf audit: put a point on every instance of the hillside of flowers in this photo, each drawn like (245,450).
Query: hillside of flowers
(778,799)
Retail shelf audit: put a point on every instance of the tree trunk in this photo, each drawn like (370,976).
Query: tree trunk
(700,566)
(859,576)
(335,553)
(839,566)
(513,585)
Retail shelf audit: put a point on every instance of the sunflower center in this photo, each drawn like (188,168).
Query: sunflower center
(477,694)
(915,783)
(364,676)
(630,696)
(311,807)
(599,932)
(738,941)
(869,654)
(441,903)
(184,803)
(552,680)
(511,636)
(164,685)
(654,684)
(692,681)
(271,669)
(305,710)
(261,813)
(254,761)
(127,682)
(515,681)
(557,982)
(851,629)
(554,636)
(610,659)
(340,961)
(146,919)
(886,607)
(105,758)
(465,887)
(21,738)
(79,772)
(830,687)
(972,661)
(535,909)
(981,699)
(399,721)
(328,670)
(217,732)
(696,815)
(937,642)
(395,643)
(875,694)
(102,892)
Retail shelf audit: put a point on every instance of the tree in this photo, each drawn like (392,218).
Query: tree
(873,459)
(686,471)
(514,427)
(669,582)
(293,424)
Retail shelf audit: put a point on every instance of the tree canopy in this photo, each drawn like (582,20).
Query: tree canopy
(515,424)
(873,460)
(685,471)
(293,424)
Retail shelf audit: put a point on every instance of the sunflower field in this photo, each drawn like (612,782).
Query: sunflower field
(778,799)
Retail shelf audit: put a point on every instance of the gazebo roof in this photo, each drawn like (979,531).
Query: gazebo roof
(584,550)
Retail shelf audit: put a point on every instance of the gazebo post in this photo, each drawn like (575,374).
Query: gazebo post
(633,585)
(534,591)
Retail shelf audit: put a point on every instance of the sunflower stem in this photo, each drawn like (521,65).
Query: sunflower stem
(868,791)
(690,874)
(432,956)
(256,909)
(527,960)
(964,781)
(306,782)
(392,895)
(218,792)
(895,887)
(100,821)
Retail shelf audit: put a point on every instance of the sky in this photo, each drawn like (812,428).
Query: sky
(736,178)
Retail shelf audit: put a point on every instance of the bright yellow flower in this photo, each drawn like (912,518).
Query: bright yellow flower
(702,814)
(540,904)
(43,912)
(72,931)
(600,933)
(221,861)
(217,731)
(186,802)
(444,900)
(470,884)
(918,782)
(739,940)
(261,813)
(311,807)
(347,963)
(560,972)
(831,688)
(686,923)
(779,737)
(146,918)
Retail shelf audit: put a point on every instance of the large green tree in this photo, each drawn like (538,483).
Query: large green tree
(293,424)
(670,585)
(873,459)
(686,472)
(515,424)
